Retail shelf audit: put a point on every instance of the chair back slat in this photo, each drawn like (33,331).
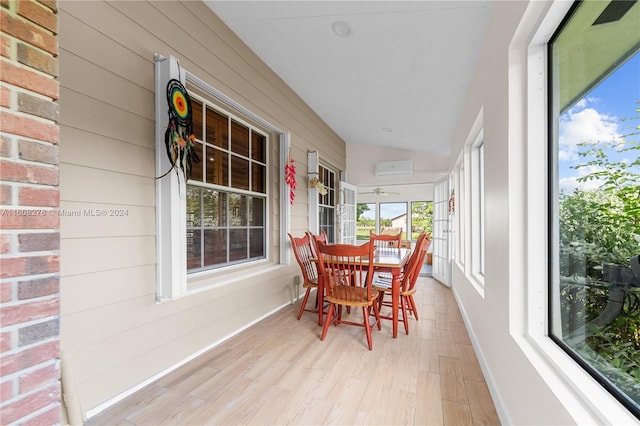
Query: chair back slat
(303,253)
(386,241)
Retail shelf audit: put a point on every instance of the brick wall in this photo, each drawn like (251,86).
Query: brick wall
(29,198)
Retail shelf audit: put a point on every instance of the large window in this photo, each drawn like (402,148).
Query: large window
(477,209)
(595,193)
(381,217)
(327,203)
(227,191)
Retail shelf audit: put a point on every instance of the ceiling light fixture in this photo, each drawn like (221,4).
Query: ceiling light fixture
(341,29)
(387,129)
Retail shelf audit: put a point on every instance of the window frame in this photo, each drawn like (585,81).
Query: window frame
(171,271)
(584,399)
(554,224)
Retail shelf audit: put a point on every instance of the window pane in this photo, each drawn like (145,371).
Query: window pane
(217,164)
(194,248)
(193,206)
(256,211)
(217,128)
(214,208)
(258,147)
(196,168)
(258,178)
(595,181)
(215,246)
(237,210)
(239,139)
(365,220)
(421,218)
(238,244)
(196,108)
(256,243)
(239,173)
(393,217)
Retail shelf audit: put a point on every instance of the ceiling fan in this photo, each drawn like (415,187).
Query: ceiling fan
(380,191)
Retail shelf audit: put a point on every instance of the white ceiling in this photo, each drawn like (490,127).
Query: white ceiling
(398,80)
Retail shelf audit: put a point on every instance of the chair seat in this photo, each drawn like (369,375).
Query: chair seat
(310,283)
(351,296)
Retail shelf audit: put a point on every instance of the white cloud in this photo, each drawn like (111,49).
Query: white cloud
(582,123)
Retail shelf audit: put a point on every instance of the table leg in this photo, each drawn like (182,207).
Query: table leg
(320,297)
(395,305)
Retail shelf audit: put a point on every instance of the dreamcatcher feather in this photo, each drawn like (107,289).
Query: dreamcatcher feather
(179,138)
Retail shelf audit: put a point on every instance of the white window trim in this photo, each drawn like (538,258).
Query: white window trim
(477,211)
(579,393)
(171,259)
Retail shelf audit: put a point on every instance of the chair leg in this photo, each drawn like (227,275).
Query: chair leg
(376,313)
(304,303)
(365,313)
(413,307)
(327,321)
(404,303)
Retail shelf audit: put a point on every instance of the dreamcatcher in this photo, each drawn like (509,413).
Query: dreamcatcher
(179,138)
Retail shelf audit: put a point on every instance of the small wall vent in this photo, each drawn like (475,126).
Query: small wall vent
(386,168)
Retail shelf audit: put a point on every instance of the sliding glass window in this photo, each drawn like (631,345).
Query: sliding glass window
(594,187)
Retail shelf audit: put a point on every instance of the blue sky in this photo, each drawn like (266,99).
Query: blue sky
(387,210)
(597,117)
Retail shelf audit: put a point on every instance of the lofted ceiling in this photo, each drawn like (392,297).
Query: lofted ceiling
(390,74)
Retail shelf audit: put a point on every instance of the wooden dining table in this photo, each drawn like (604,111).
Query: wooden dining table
(384,260)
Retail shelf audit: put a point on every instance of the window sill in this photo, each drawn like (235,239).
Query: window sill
(581,395)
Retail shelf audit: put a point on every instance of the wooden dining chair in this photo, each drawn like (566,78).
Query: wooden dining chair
(347,274)
(386,241)
(322,237)
(303,252)
(383,281)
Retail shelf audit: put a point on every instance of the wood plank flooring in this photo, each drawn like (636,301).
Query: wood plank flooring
(280,372)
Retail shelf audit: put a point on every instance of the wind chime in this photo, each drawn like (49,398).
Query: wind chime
(179,138)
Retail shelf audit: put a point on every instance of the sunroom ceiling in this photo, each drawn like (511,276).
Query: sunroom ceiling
(390,74)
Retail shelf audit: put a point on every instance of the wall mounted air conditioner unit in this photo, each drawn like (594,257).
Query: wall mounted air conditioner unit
(387,168)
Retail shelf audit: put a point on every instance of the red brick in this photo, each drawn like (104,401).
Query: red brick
(49,417)
(36,378)
(29,127)
(29,311)
(29,265)
(38,288)
(51,4)
(5,195)
(6,390)
(29,358)
(5,46)
(5,341)
(34,333)
(37,59)
(30,403)
(5,243)
(43,197)
(5,97)
(26,31)
(27,79)
(49,220)
(40,152)
(28,173)
(38,106)
(6,292)
(41,241)
(5,146)
(42,16)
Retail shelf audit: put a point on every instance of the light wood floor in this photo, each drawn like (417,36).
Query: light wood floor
(279,372)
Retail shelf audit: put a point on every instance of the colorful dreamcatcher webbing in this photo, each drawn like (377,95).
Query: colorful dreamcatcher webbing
(179,138)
